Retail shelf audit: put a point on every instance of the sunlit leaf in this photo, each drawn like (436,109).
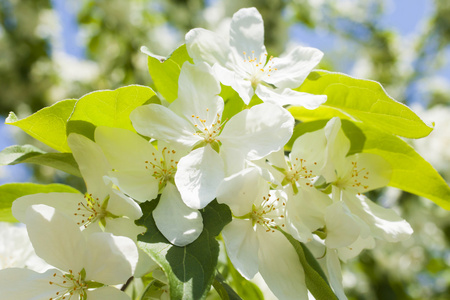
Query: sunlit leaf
(47,125)
(165,72)
(360,100)
(108,108)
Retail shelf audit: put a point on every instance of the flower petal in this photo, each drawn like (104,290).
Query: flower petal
(242,246)
(197,93)
(335,273)
(287,96)
(124,149)
(55,237)
(279,266)
(159,122)
(17,283)
(142,186)
(198,176)
(121,205)
(241,190)
(258,131)
(145,264)
(110,259)
(342,228)
(247,32)
(293,68)
(346,253)
(338,146)
(308,151)
(63,202)
(205,45)
(234,79)
(370,170)
(92,163)
(384,223)
(180,224)
(124,227)
(107,292)
(305,213)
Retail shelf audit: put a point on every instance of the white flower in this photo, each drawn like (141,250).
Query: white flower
(360,172)
(143,172)
(16,249)
(253,244)
(243,63)
(86,264)
(194,121)
(101,208)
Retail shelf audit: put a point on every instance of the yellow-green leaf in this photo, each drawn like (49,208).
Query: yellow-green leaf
(165,72)
(47,125)
(360,100)
(108,108)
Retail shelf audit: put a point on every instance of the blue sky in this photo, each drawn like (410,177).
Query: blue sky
(16,173)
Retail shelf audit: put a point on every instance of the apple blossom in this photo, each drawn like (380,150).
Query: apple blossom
(251,239)
(102,207)
(142,172)
(86,263)
(219,148)
(243,62)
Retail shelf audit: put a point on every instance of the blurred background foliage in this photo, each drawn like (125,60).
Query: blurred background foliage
(62,49)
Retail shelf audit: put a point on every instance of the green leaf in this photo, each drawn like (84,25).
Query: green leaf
(153,290)
(223,289)
(107,108)
(165,72)
(316,281)
(360,100)
(410,172)
(190,269)
(11,191)
(180,56)
(47,125)
(233,103)
(30,154)
(246,289)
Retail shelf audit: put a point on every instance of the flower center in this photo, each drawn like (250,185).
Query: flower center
(357,178)
(91,210)
(164,167)
(70,284)
(258,68)
(298,169)
(269,214)
(208,129)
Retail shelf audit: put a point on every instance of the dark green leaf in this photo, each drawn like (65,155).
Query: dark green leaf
(223,289)
(153,290)
(190,269)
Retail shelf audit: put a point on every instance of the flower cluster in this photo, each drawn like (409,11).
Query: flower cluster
(197,149)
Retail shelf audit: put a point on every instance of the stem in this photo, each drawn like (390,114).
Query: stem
(124,287)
